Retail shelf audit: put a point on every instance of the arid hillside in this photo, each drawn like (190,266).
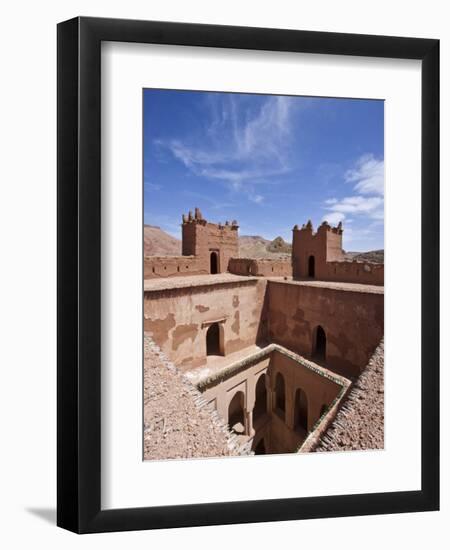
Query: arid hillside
(159,243)
(254,246)
(374,256)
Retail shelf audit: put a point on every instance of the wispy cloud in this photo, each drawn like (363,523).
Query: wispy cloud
(367,177)
(212,203)
(246,146)
(152,186)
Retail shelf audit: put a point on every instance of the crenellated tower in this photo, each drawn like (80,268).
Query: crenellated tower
(214,244)
(311,251)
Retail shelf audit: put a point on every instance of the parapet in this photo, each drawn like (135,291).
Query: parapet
(324,227)
(197,218)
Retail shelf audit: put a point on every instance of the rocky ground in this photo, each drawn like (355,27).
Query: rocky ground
(373,256)
(178,423)
(359,424)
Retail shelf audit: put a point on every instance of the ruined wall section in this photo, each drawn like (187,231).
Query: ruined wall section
(348,317)
(178,318)
(350,429)
(261,267)
(178,422)
(325,247)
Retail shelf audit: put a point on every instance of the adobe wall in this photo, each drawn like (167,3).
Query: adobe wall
(263,267)
(173,266)
(325,246)
(178,318)
(354,272)
(323,391)
(219,395)
(200,238)
(353,322)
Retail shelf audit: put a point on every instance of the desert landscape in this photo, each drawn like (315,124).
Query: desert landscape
(263,274)
(260,347)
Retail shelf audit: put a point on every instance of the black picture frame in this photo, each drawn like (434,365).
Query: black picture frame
(79,281)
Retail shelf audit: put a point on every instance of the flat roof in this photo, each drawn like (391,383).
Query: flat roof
(189,281)
(168,283)
(349,287)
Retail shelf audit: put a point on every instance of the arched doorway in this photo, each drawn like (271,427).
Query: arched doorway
(260,449)
(300,411)
(280,396)
(311,267)
(214,340)
(214,263)
(236,419)
(320,344)
(260,408)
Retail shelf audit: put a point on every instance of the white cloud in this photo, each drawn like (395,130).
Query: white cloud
(152,186)
(357,204)
(334,218)
(367,175)
(245,147)
(256,198)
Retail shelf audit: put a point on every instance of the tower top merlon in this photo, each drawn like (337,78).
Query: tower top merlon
(338,229)
(324,226)
(198,214)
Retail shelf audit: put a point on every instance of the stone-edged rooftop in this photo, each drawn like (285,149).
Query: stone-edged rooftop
(359,424)
(349,287)
(191,281)
(178,423)
(205,376)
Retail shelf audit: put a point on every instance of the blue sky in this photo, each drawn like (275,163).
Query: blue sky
(269,162)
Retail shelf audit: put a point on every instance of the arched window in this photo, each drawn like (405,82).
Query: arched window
(214,263)
(261,398)
(300,411)
(236,413)
(311,267)
(280,396)
(214,340)
(319,344)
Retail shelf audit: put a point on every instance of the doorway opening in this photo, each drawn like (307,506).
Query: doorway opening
(320,344)
(300,411)
(311,267)
(214,340)
(260,408)
(236,413)
(214,263)
(280,396)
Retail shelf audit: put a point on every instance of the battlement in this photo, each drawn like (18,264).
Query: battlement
(206,249)
(320,255)
(197,218)
(324,227)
